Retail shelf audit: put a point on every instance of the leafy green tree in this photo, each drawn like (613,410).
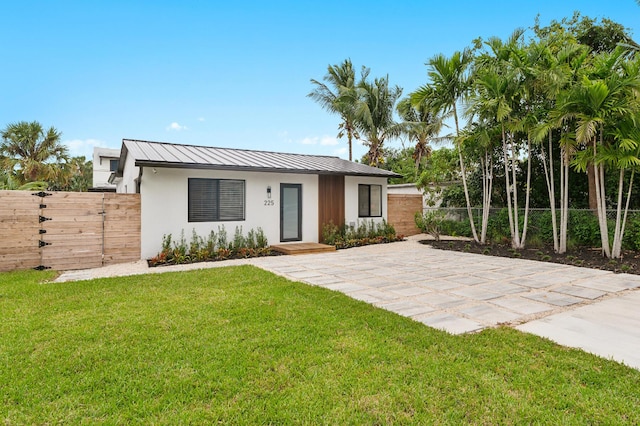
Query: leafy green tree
(30,153)
(558,68)
(76,175)
(606,109)
(8,182)
(603,36)
(500,97)
(440,178)
(596,37)
(400,161)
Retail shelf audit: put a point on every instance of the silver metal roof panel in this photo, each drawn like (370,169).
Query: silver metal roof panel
(162,154)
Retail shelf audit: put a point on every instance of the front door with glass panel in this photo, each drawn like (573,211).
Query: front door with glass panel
(290,212)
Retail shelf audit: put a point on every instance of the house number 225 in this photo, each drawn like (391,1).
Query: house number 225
(269,203)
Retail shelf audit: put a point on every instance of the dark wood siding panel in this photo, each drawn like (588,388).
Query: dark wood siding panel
(330,201)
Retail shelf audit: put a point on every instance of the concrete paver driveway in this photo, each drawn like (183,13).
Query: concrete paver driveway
(598,311)
(463,292)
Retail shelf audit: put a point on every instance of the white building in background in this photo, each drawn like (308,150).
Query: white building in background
(431,196)
(105,162)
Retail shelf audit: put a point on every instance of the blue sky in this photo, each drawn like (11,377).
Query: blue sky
(231,74)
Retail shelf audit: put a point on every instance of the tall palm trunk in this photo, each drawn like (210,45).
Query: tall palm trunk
(487,190)
(549,178)
(508,187)
(464,180)
(617,241)
(564,201)
(516,219)
(601,203)
(527,198)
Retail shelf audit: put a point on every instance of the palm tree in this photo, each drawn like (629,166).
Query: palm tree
(599,103)
(338,96)
(421,125)
(556,70)
(33,152)
(448,86)
(505,93)
(374,116)
(478,140)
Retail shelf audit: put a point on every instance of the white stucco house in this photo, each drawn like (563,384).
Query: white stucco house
(105,162)
(289,196)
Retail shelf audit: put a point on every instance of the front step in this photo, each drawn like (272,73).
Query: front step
(302,248)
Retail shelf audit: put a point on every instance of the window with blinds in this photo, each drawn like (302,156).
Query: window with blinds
(216,200)
(369,200)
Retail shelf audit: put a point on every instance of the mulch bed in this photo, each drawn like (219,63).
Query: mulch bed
(582,256)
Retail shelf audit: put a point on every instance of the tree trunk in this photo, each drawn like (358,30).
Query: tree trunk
(549,177)
(591,178)
(507,185)
(601,204)
(487,167)
(527,198)
(618,249)
(564,213)
(464,180)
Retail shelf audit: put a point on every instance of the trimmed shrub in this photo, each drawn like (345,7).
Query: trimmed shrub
(216,247)
(366,232)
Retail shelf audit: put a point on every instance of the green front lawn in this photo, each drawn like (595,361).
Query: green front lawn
(240,345)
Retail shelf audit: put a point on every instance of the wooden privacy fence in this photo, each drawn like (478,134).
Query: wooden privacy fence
(68,230)
(401,210)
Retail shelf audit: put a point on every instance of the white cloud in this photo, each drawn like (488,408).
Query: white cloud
(328,140)
(310,141)
(317,140)
(84,147)
(177,127)
(340,151)
(201,119)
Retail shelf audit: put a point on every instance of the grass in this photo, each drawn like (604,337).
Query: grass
(243,346)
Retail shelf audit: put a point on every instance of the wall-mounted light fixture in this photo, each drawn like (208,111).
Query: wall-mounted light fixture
(154,171)
(268,192)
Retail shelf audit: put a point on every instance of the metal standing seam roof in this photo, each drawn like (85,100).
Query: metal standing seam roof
(162,154)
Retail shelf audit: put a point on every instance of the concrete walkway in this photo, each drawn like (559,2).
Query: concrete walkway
(457,292)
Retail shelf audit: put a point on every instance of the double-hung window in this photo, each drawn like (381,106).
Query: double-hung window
(216,200)
(369,200)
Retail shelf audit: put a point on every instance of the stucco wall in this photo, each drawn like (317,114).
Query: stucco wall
(127,185)
(164,198)
(351,198)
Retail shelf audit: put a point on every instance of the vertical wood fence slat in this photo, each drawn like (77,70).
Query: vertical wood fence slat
(86,230)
